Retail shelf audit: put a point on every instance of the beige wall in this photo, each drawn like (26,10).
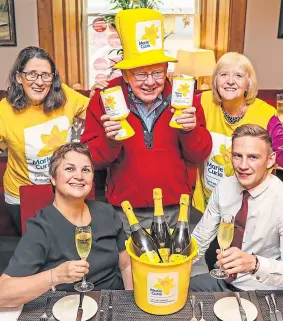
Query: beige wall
(261,44)
(27,34)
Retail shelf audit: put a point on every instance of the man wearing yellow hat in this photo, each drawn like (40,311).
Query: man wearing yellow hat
(157,155)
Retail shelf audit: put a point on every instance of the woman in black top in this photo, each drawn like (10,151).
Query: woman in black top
(46,255)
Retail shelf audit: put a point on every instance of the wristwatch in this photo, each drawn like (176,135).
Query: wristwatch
(256,264)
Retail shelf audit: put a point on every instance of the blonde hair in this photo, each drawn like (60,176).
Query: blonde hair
(236,59)
(253,131)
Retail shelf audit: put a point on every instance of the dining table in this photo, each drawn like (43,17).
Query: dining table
(125,309)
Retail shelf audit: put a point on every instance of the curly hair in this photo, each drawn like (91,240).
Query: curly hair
(16,95)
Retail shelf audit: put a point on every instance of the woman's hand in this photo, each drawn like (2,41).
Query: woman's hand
(187,118)
(111,127)
(70,272)
(101,84)
(235,261)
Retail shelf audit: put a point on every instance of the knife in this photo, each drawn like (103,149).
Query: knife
(271,313)
(277,312)
(101,311)
(241,309)
(80,308)
(110,308)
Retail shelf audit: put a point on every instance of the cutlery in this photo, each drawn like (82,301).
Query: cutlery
(201,310)
(80,308)
(110,308)
(193,300)
(277,312)
(271,313)
(101,311)
(241,309)
(44,316)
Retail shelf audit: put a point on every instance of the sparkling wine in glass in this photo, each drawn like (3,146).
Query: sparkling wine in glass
(225,236)
(280,106)
(83,244)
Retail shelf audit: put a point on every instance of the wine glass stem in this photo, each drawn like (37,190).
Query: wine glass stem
(220,267)
(84,282)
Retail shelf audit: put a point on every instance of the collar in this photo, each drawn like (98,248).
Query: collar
(258,190)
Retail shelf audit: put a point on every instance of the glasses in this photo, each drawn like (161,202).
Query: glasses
(83,244)
(142,76)
(32,76)
(225,237)
(237,76)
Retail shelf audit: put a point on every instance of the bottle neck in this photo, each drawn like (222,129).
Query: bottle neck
(158,208)
(131,217)
(183,215)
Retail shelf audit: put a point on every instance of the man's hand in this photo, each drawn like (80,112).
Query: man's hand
(187,118)
(101,84)
(235,261)
(70,272)
(111,127)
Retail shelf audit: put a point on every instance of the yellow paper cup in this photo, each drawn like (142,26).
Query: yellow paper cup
(161,288)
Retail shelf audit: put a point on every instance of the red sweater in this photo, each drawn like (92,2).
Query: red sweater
(135,167)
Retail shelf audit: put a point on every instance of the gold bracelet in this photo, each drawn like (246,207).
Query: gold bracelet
(52,286)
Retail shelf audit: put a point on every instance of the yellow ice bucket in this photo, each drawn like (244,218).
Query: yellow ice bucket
(161,288)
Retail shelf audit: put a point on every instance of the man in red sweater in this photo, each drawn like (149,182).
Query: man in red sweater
(157,155)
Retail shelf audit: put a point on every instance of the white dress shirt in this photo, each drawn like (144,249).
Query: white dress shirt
(263,234)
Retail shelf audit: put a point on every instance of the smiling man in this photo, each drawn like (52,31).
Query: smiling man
(157,155)
(254,197)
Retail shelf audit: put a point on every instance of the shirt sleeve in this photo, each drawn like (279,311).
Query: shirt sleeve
(31,253)
(270,271)
(197,143)
(275,130)
(121,235)
(206,230)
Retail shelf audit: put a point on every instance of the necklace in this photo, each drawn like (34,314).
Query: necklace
(231,119)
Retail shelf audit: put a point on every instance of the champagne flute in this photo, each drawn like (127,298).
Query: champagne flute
(279,102)
(83,244)
(224,236)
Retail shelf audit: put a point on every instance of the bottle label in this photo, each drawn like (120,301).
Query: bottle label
(177,258)
(164,253)
(150,257)
(162,288)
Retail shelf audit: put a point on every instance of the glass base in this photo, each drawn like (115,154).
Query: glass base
(86,287)
(219,274)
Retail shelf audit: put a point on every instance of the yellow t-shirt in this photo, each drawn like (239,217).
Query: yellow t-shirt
(32,136)
(218,164)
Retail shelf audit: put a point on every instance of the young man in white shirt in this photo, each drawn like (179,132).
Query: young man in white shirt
(257,265)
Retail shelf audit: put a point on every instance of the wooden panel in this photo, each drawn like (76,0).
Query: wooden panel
(45,26)
(59,40)
(223,28)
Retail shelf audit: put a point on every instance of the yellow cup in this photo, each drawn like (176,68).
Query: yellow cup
(161,288)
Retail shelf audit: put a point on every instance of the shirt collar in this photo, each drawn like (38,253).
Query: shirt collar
(256,191)
(137,100)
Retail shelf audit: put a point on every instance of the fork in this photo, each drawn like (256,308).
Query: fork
(201,310)
(193,300)
(44,316)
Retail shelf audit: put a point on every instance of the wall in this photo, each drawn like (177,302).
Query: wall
(27,35)
(261,44)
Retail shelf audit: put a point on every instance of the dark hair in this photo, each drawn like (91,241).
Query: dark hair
(60,153)
(254,131)
(16,95)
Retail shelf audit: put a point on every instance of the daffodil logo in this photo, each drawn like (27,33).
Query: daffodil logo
(52,141)
(184,89)
(110,102)
(151,34)
(165,285)
(224,159)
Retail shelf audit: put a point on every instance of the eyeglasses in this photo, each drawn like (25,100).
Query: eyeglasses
(142,76)
(32,76)
(237,76)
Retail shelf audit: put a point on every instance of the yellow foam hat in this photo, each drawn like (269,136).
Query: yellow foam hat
(141,33)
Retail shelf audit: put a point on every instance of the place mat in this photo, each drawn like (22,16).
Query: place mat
(33,310)
(263,305)
(124,308)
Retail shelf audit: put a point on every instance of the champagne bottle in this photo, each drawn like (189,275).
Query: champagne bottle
(159,228)
(143,243)
(181,236)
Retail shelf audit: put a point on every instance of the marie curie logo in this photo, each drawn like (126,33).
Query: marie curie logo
(110,102)
(183,90)
(148,35)
(162,288)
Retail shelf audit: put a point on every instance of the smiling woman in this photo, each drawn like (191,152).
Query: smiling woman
(36,118)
